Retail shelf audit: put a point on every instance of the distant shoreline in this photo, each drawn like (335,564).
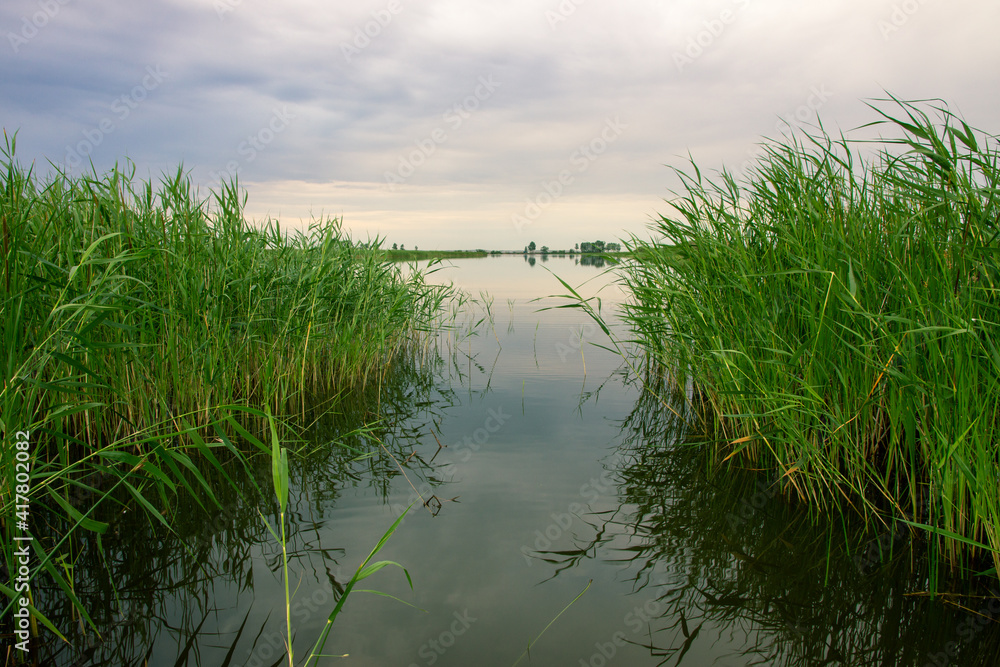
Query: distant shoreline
(413,255)
(408,255)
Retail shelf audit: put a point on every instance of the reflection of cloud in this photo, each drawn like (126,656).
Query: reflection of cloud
(355,118)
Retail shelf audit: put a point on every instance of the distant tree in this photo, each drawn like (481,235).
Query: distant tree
(416,248)
(402,247)
(577,246)
(395,246)
(545,250)
(531,247)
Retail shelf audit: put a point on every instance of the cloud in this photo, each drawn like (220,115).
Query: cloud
(363,84)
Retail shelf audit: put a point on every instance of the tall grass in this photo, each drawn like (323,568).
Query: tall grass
(718,546)
(146,330)
(837,311)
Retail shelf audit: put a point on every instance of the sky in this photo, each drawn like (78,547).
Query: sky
(447,124)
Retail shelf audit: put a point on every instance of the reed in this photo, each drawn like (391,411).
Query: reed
(280,480)
(837,312)
(146,331)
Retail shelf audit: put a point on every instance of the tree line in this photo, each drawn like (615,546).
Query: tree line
(583,247)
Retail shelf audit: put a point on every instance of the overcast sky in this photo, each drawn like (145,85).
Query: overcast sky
(463,124)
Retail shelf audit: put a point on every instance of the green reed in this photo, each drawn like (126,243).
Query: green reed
(837,312)
(280,481)
(146,331)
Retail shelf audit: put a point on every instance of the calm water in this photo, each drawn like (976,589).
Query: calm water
(547,470)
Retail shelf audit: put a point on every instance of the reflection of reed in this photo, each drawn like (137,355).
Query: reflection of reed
(770,583)
(187,589)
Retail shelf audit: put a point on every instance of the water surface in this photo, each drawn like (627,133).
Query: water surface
(547,472)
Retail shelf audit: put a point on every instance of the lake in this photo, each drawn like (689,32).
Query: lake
(546,472)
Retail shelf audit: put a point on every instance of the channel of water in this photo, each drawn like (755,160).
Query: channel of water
(547,471)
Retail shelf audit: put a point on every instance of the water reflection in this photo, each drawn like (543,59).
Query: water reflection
(727,571)
(546,467)
(196,595)
(596,261)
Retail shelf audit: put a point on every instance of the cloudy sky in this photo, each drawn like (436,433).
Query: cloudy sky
(472,123)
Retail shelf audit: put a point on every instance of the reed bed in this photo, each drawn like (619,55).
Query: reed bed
(145,330)
(837,312)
